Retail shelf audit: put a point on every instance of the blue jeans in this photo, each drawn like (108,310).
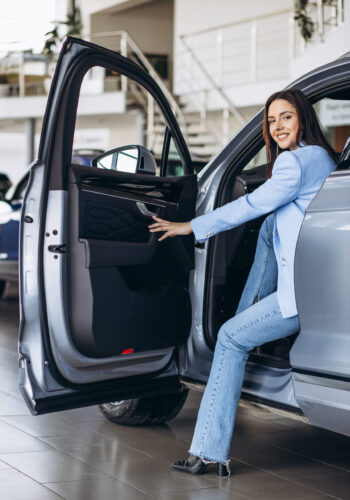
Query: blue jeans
(254,324)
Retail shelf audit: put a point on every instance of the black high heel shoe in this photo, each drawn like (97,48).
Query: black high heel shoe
(195,465)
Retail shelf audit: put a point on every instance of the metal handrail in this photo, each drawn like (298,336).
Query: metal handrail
(230,106)
(338,4)
(236,23)
(128,41)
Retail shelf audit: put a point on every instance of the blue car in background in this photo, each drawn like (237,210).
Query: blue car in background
(10,212)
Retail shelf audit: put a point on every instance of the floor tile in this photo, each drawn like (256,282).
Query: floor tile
(12,405)
(259,484)
(14,440)
(99,489)
(42,425)
(51,466)
(152,476)
(82,414)
(10,374)
(4,465)
(144,439)
(91,447)
(17,486)
(202,494)
(329,448)
(80,455)
(290,466)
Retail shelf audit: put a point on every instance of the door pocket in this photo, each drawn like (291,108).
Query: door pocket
(104,253)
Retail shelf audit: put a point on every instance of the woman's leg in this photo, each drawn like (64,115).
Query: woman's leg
(260,323)
(262,279)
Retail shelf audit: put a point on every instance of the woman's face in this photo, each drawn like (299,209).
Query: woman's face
(283,123)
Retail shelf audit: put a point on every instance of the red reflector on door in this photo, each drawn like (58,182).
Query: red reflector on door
(128,351)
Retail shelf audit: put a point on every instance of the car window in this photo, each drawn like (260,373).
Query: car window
(334,116)
(85,156)
(115,112)
(258,159)
(174,164)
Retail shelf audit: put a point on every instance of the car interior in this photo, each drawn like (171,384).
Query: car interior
(232,255)
(135,289)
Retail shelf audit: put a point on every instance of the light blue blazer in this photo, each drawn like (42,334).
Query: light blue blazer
(297,176)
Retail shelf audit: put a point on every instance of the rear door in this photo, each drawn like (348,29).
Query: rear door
(320,355)
(104,305)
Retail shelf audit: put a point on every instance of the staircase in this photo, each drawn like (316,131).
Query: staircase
(202,139)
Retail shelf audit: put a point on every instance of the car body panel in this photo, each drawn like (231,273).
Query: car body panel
(320,354)
(55,373)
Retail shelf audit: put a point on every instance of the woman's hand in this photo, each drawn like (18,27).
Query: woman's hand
(170,228)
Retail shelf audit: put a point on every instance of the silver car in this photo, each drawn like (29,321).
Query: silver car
(111,316)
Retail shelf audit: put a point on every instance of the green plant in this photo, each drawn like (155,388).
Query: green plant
(73,25)
(51,41)
(304,21)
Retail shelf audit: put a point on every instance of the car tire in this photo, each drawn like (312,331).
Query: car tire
(2,287)
(145,411)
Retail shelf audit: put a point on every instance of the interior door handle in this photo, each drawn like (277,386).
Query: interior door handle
(144,210)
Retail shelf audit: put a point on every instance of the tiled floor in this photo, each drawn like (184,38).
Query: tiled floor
(78,454)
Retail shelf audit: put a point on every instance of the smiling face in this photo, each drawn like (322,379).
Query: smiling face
(283,124)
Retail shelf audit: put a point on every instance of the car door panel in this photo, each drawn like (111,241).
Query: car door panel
(104,305)
(141,286)
(320,354)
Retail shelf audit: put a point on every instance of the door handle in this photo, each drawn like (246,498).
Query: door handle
(144,210)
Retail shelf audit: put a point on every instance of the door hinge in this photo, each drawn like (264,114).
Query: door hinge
(58,248)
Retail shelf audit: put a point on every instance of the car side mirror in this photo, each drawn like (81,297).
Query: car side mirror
(133,159)
(5,185)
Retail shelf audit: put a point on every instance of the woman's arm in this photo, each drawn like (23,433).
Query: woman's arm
(282,188)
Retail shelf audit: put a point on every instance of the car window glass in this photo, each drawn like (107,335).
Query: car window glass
(334,116)
(174,164)
(115,112)
(258,159)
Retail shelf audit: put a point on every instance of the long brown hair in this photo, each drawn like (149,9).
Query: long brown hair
(309,132)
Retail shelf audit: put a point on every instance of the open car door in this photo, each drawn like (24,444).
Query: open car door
(320,355)
(104,305)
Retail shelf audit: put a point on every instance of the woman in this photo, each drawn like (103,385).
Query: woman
(299,161)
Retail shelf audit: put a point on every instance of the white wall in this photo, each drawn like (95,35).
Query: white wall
(196,15)
(336,43)
(122,128)
(92,6)
(150,24)
(242,46)
(13,155)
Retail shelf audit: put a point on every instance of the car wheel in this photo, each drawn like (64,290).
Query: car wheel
(2,287)
(145,411)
